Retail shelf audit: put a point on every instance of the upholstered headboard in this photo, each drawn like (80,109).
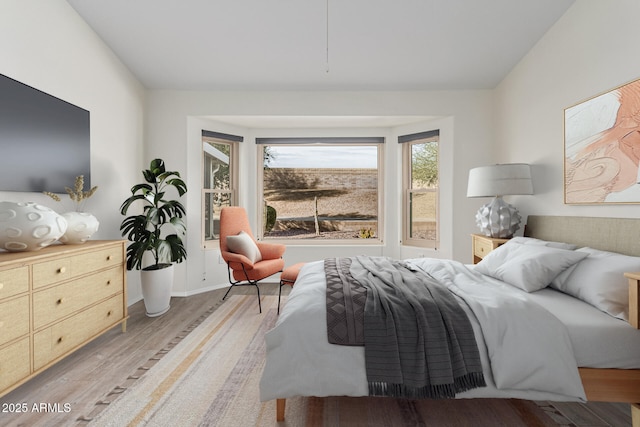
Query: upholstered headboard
(620,235)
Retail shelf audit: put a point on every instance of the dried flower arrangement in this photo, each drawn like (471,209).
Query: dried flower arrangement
(77,194)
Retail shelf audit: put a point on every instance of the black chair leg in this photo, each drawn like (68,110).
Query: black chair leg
(245,284)
(248,282)
(227,293)
(259,302)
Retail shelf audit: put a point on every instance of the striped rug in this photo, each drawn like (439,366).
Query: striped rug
(211,379)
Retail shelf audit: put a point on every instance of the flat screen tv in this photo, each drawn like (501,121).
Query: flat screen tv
(44,141)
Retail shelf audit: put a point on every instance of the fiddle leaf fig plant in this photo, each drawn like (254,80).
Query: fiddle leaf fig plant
(146,231)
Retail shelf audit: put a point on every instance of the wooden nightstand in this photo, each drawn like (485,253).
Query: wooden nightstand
(482,245)
(634,299)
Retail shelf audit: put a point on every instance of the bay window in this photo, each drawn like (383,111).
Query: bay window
(420,185)
(219,181)
(319,189)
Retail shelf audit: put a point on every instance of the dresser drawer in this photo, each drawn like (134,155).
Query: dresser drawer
(15,362)
(57,340)
(98,260)
(60,301)
(58,270)
(49,272)
(14,319)
(14,281)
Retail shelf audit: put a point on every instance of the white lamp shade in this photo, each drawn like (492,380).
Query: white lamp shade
(500,180)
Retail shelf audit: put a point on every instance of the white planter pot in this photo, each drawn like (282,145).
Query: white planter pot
(81,226)
(29,226)
(156,290)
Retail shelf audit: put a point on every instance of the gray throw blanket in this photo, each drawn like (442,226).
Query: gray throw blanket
(345,304)
(418,341)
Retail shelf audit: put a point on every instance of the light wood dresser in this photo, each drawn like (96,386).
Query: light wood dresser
(55,300)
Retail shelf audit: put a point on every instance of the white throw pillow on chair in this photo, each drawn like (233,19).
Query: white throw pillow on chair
(243,244)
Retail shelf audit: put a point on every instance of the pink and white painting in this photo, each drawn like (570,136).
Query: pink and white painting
(602,148)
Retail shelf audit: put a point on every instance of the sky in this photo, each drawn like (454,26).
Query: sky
(352,157)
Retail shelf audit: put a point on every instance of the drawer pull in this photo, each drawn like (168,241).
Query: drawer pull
(59,340)
(62,270)
(59,301)
(108,282)
(109,257)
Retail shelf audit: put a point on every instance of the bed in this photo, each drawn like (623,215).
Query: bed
(593,340)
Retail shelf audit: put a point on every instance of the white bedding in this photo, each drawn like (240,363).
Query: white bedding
(598,339)
(300,361)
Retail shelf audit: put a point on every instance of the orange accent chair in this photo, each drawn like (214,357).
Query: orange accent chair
(289,277)
(242,270)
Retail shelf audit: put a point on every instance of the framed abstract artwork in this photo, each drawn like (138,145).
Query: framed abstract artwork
(602,148)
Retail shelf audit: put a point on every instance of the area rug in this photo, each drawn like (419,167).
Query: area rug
(211,378)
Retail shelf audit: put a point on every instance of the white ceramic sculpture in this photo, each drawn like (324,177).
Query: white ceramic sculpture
(80,227)
(28,226)
(498,219)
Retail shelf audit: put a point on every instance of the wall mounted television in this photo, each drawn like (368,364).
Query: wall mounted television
(44,141)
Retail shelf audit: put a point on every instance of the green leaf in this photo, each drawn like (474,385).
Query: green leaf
(179,225)
(157,166)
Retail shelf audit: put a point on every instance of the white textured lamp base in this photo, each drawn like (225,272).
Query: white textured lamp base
(498,219)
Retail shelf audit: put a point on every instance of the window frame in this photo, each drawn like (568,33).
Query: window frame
(378,142)
(407,142)
(234,149)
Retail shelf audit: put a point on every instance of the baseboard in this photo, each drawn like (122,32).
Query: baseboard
(213,288)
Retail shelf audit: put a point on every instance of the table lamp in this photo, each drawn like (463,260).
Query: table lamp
(498,218)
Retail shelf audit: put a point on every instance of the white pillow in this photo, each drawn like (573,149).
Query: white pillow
(599,280)
(528,267)
(534,241)
(243,244)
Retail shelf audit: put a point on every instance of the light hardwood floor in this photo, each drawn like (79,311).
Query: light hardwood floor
(78,387)
(97,372)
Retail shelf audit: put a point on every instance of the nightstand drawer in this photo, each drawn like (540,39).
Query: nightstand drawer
(481,248)
(482,245)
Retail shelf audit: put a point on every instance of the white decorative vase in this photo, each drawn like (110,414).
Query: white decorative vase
(29,226)
(156,290)
(498,219)
(81,226)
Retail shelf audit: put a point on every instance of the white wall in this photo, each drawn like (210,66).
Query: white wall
(45,44)
(175,119)
(591,49)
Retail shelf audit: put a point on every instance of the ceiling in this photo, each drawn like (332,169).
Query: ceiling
(262,45)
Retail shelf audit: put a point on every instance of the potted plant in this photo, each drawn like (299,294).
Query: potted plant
(149,237)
